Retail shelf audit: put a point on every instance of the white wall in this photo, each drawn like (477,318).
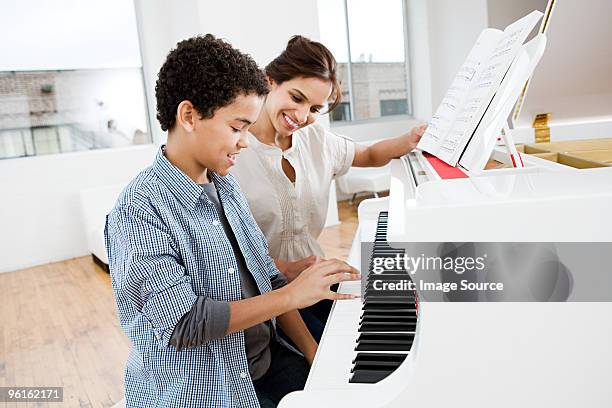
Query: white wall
(40,211)
(503,12)
(374,130)
(453,29)
(420,59)
(259,28)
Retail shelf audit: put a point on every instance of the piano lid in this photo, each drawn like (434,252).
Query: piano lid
(514,187)
(539,207)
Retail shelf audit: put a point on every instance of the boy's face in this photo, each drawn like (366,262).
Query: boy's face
(219,139)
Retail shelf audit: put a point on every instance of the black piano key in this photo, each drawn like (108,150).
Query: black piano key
(389,303)
(391,318)
(384,337)
(369,376)
(396,317)
(370,290)
(384,342)
(370,327)
(375,300)
(389,314)
(376,297)
(363,357)
(376,366)
(378,310)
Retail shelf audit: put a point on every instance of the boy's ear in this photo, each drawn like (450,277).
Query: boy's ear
(186,116)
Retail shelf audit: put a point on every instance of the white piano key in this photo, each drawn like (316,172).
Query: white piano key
(335,360)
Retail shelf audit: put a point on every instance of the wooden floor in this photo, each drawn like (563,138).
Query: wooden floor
(59,325)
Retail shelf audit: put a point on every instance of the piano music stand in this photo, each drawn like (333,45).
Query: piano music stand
(480,146)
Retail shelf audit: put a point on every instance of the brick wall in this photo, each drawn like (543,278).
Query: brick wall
(50,98)
(373,82)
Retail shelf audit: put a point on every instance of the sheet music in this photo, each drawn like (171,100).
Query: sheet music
(473,89)
(445,115)
(482,142)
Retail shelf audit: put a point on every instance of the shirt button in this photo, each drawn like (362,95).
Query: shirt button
(243,375)
(230,270)
(216,223)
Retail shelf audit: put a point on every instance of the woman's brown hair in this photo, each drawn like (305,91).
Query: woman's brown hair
(304,58)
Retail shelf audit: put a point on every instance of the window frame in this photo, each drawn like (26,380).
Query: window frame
(408,76)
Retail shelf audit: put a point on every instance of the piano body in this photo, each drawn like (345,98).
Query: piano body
(504,354)
(483,354)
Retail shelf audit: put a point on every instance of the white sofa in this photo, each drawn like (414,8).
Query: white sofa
(96,203)
(365,179)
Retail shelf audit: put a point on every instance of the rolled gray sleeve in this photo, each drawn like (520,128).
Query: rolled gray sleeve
(208,319)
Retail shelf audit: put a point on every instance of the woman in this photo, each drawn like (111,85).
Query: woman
(287,172)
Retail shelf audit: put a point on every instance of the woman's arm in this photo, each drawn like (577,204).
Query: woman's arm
(382,152)
(293,325)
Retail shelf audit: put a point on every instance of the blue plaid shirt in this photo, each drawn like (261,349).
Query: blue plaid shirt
(166,246)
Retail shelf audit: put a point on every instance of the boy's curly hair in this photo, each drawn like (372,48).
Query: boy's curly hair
(209,73)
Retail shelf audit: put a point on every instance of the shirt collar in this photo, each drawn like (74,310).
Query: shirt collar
(181,186)
(225,185)
(256,145)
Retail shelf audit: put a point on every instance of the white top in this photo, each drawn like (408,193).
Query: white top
(290,215)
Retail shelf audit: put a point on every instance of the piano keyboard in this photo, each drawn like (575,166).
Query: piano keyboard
(387,324)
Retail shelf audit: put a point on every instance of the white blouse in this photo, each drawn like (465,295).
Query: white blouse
(292,215)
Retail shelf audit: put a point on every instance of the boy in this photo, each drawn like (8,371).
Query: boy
(196,291)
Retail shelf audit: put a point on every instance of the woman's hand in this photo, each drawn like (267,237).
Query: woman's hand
(292,269)
(412,139)
(312,285)
(384,151)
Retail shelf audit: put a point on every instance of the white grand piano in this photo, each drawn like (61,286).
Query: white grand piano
(474,354)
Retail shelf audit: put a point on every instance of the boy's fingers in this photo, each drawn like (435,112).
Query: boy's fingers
(342,296)
(334,266)
(342,277)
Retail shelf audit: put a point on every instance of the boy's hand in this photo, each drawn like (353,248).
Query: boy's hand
(292,269)
(312,285)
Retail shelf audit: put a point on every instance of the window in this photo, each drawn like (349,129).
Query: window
(70,77)
(389,107)
(342,112)
(369,42)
